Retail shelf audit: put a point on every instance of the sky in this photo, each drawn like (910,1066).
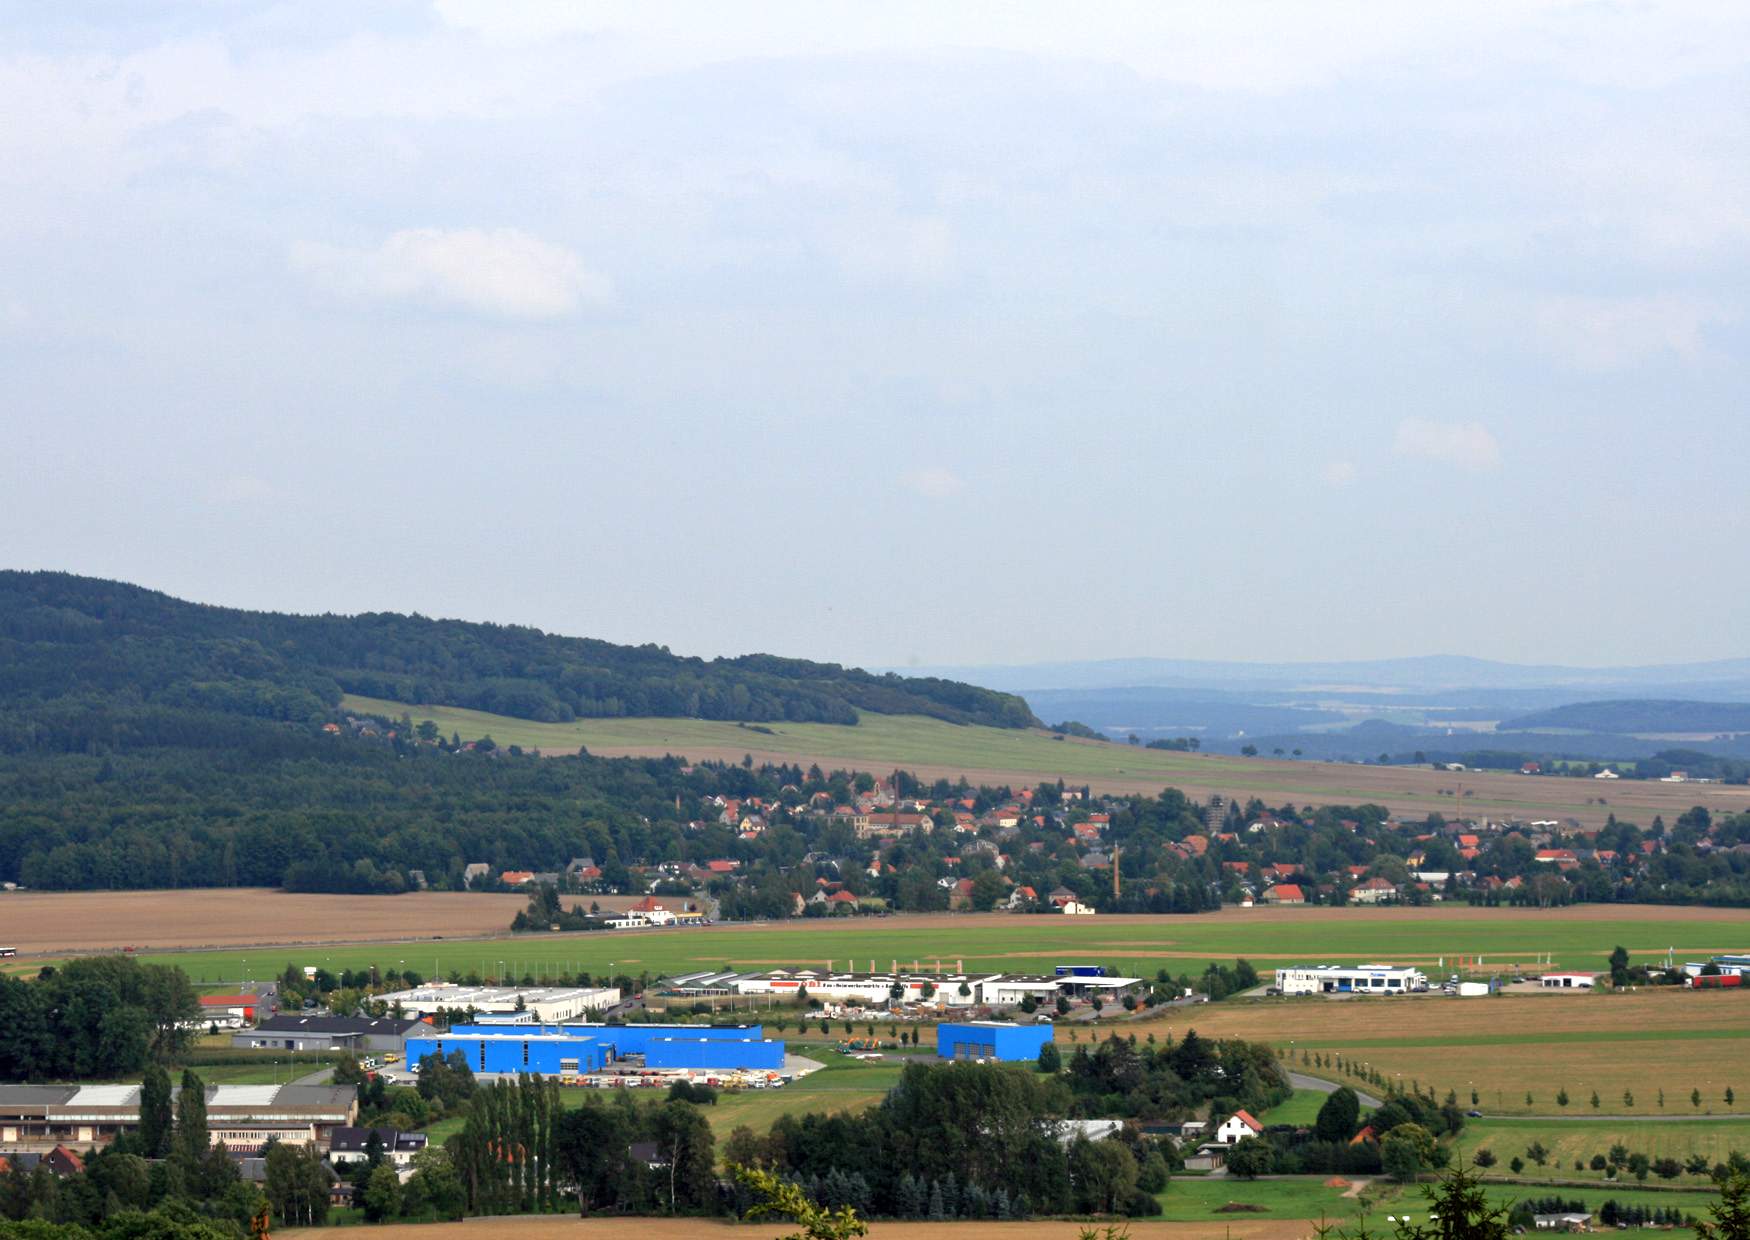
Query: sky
(912,333)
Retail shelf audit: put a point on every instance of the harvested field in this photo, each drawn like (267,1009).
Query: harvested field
(933,749)
(42,922)
(1503,1048)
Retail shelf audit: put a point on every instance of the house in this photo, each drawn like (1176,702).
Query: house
(473,872)
(1236,1127)
(350,1144)
(649,1153)
(1573,1220)
(63,1162)
(1374,891)
(1061,896)
(1607,773)
(1076,909)
(1021,897)
(516,878)
(1284,893)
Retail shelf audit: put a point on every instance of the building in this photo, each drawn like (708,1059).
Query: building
(577,1050)
(324,1034)
(1373,891)
(1284,893)
(1236,1128)
(350,1144)
(226,1011)
(1338,979)
(871,990)
(1726,966)
(244,1117)
(1001,1041)
(1568,981)
(540,1005)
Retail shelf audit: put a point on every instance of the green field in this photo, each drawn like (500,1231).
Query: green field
(1199,1199)
(1581,1139)
(1302,1108)
(888,740)
(1576,938)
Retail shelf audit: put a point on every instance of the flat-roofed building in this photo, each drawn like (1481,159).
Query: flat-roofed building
(1345,979)
(244,1117)
(297,1032)
(537,1005)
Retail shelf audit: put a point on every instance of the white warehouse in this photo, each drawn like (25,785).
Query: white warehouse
(1343,979)
(546,1005)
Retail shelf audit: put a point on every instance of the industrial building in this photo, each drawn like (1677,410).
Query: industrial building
(578,1050)
(320,1034)
(997,1040)
(535,1005)
(1343,979)
(1727,966)
(873,989)
(244,1117)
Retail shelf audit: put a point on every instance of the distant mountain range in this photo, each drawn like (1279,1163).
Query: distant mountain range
(1728,677)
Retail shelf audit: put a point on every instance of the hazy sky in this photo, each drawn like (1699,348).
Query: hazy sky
(980,332)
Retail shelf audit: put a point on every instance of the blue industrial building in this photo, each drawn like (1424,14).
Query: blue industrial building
(991,1039)
(567,1050)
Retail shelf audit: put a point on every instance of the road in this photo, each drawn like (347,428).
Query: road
(1301,1081)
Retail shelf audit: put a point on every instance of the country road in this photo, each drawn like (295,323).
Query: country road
(1302,1081)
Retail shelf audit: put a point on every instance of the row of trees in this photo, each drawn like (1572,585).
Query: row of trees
(94,1018)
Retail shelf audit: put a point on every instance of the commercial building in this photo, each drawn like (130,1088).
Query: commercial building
(244,1117)
(535,1005)
(1342,979)
(991,1040)
(957,989)
(322,1034)
(1568,981)
(1726,966)
(576,1050)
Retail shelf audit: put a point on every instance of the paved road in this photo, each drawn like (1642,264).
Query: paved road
(1301,1081)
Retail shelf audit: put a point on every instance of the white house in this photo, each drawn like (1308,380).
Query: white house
(1076,909)
(1236,1128)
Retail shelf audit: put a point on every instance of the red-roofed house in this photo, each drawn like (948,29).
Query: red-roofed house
(1284,893)
(1236,1128)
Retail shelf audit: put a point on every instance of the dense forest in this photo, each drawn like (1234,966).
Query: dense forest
(66,637)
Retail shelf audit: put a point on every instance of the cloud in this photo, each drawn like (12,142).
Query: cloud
(1615,333)
(1339,473)
(935,482)
(1467,445)
(502,273)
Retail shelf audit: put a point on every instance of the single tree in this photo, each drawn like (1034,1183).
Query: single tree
(191,1141)
(774,1197)
(382,1195)
(156,1123)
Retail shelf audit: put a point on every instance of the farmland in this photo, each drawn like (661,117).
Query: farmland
(933,749)
(1577,1140)
(1504,1048)
(1576,937)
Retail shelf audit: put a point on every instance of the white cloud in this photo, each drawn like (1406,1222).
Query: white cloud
(934,481)
(1614,333)
(1468,445)
(1339,473)
(908,250)
(502,273)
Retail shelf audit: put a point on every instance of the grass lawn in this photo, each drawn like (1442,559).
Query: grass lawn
(1303,1108)
(1198,1199)
(1568,1141)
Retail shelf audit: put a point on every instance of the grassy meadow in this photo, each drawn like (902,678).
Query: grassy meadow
(1503,940)
(933,748)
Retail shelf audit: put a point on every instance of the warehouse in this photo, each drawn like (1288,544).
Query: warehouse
(324,1034)
(538,1005)
(991,1040)
(244,1117)
(572,1050)
(1340,979)
(876,990)
(1724,966)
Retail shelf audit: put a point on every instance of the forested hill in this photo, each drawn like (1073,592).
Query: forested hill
(67,637)
(1634,716)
